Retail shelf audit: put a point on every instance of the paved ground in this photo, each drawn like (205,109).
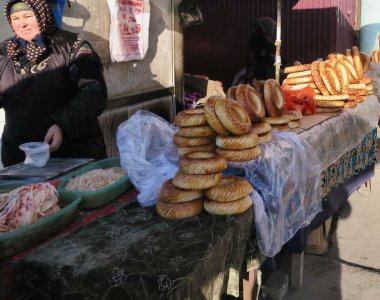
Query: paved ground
(350,270)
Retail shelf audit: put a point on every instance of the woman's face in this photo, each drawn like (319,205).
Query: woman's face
(24,24)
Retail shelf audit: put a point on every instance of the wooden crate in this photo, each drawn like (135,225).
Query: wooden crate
(318,240)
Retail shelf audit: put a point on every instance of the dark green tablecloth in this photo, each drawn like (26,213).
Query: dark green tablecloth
(132,253)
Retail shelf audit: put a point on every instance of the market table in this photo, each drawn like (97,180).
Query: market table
(127,251)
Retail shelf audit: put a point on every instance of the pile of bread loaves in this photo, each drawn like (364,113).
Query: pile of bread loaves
(199,184)
(339,81)
(221,125)
(265,102)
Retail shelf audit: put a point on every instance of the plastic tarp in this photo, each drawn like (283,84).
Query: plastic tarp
(374,73)
(286,178)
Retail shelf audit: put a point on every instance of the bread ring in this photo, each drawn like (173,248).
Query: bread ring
(317,91)
(359,99)
(366,80)
(202,162)
(241,154)
(231,188)
(171,194)
(357,61)
(331,97)
(293,115)
(357,86)
(238,141)
(297,68)
(266,137)
(334,78)
(182,210)
(259,87)
(227,208)
(366,61)
(281,127)
(350,104)
(331,56)
(369,87)
(298,80)
(322,110)
(233,116)
(230,94)
(373,55)
(277,120)
(312,85)
(251,100)
(190,117)
(349,67)
(294,124)
(343,75)
(185,150)
(261,128)
(196,182)
(330,103)
(358,92)
(326,78)
(349,56)
(196,131)
(317,78)
(188,141)
(299,74)
(273,97)
(212,119)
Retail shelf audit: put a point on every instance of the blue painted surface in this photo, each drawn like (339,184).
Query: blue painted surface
(370,26)
(57,6)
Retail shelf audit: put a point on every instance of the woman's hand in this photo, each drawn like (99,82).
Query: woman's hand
(54,137)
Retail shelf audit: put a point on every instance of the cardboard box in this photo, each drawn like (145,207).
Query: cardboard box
(204,86)
(318,240)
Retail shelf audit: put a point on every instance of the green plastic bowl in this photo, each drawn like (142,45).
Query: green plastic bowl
(100,197)
(19,239)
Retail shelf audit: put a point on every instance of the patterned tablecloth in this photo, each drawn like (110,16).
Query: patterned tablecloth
(124,251)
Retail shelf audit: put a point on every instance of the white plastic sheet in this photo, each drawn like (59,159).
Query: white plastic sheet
(286,179)
(147,152)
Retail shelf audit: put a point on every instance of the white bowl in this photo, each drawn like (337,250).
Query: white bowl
(37,153)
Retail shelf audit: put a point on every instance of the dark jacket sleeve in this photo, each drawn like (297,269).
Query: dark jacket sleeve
(79,117)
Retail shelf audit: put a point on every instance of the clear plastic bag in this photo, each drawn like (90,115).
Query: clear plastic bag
(37,154)
(147,152)
(286,179)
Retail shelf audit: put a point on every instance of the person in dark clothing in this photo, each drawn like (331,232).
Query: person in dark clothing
(52,87)
(262,53)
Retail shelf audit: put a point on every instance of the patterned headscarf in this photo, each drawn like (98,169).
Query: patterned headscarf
(35,51)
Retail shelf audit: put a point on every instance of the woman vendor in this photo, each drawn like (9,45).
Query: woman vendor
(51,86)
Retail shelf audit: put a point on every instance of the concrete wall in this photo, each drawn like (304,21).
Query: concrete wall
(92,19)
(5,30)
(155,83)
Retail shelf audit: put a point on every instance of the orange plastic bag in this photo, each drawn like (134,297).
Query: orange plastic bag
(300,98)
